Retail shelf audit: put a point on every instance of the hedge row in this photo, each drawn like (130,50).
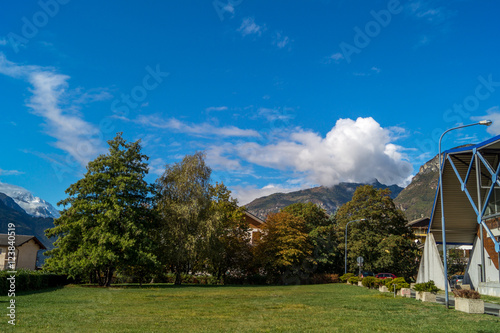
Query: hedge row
(26,280)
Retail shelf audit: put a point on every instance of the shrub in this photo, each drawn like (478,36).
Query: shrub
(463,293)
(369,282)
(379,282)
(399,282)
(345,277)
(324,278)
(31,280)
(353,279)
(426,287)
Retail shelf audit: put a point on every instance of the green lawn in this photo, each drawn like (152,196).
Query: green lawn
(313,308)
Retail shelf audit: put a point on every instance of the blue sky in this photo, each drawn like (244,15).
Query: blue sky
(281,95)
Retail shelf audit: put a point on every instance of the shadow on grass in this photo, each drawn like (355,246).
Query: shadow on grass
(33,292)
(173,286)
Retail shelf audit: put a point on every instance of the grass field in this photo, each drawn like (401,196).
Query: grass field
(311,308)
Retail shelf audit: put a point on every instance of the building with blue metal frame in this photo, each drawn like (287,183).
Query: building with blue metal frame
(471,204)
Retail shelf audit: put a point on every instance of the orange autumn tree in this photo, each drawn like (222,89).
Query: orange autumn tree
(284,251)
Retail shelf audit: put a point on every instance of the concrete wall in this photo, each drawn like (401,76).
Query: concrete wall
(472,274)
(431,264)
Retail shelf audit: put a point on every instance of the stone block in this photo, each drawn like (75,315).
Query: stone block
(469,305)
(406,292)
(383,289)
(425,296)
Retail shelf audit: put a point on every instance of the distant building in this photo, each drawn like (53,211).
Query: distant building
(419,228)
(256,225)
(27,248)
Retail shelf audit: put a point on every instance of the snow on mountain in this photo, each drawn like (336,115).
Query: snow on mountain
(32,205)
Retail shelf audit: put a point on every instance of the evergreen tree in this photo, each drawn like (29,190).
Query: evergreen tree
(107,223)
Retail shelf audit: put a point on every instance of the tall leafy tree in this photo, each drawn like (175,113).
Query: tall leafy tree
(383,239)
(228,248)
(183,206)
(106,224)
(321,231)
(284,249)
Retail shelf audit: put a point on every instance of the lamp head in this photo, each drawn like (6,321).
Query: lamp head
(485,122)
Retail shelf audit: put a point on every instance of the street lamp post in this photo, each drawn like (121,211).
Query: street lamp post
(345,249)
(445,264)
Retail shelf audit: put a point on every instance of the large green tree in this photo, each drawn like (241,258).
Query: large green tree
(321,231)
(184,206)
(382,239)
(228,249)
(107,222)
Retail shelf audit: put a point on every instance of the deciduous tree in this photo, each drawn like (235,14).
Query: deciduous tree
(183,206)
(383,239)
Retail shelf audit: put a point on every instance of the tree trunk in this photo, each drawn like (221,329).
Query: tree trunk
(108,276)
(178,278)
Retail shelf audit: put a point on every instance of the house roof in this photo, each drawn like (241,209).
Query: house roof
(254,220)
(419,223)
(460,217)
(20,240)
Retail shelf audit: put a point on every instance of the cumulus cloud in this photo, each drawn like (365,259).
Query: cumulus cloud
(353,151)
(73,135)
(203,129)
(492,114)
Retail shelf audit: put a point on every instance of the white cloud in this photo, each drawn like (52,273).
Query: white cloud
(492,114)
(3,41)
(336,57)
(249,27)
(157,166)
(271,115)
(280,40)
(73,135)
(216,108)
(195,129)
(353,151)
(429,11)
(10,172)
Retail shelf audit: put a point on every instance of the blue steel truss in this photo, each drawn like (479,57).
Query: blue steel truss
(480,211)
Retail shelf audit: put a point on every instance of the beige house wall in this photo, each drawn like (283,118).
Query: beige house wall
(26,257)
(3,257)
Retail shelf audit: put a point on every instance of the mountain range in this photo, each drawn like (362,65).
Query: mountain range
(415,200)
(32,205)
(328,198)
